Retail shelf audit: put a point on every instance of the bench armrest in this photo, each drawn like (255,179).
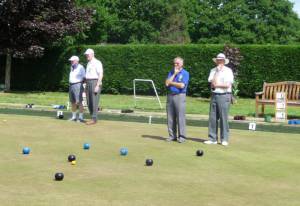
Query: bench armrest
(258,93)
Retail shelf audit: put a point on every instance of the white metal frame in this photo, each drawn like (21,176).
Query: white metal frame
(135,97)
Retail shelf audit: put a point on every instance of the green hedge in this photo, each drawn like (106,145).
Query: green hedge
(123,63)
(41,74)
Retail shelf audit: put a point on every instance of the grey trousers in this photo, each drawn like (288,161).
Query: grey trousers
(219,108)
(92,98)
(176,115)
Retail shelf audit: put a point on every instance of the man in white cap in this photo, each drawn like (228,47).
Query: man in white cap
(221,80)
(94,75)
(76,79)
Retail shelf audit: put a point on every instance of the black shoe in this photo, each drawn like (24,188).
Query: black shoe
(81,120)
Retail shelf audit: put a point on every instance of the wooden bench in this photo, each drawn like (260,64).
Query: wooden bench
(291,88)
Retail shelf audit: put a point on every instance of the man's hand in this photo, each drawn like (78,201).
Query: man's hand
(176,70)
(97,88)
(168,82)
(213,84)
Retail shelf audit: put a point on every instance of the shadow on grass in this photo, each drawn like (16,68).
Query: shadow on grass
(164,139)
(196,139)
(154,137)
(267,127)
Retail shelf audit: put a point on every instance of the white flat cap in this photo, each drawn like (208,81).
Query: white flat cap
(74,58)
(89,51)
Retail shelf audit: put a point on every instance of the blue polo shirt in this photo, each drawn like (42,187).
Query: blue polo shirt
(182,77)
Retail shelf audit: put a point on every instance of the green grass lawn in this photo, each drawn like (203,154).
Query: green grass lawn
(194,105)
(258,168)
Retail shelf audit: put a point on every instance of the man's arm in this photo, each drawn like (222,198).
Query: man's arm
(83,73)
(211,78)
(220,85)
(177,84)
(226,84)
(100,71)
(169,81)
(99,82)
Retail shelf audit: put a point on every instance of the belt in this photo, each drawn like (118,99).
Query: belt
(91,79)
(221,93)
(75,83)
(173,94)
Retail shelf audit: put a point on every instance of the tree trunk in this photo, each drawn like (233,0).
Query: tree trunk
(7,72)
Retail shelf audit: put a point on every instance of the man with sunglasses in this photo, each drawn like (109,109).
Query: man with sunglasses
(177,83)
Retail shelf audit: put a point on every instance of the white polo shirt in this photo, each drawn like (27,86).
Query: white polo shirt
(77,74)
(94,69)
(223,76)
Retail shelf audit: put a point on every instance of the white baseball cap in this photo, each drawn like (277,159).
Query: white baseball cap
(74,58)
(89,51)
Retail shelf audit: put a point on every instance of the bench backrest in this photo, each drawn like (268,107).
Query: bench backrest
(292,90)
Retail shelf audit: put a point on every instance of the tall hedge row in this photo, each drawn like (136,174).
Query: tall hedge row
(123,63)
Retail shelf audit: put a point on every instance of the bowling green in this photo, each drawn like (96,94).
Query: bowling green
(257,168)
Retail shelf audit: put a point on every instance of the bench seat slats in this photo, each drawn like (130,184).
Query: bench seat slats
(268,95)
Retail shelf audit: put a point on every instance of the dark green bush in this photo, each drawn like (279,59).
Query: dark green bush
(123,63)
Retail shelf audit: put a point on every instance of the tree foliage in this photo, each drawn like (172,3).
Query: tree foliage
(174,27)
(201,21)
(125,21)
(27,26)
(243,21)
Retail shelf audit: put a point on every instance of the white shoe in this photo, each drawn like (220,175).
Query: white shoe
(224,143)
(73,119)
(210,142)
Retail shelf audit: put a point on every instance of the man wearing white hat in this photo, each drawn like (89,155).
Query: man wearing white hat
(221,80)
(76,79)
(94,75)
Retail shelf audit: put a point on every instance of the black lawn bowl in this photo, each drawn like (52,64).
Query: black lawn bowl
(199,153)
(71,158)
(237,117)
(149,162)
(126,111)
(29,106)
(59,176)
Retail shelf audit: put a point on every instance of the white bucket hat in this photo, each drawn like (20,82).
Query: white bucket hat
(89,51)
(222,57)
(74,58)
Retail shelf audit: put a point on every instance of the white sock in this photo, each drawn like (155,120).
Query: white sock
(80,115)
(74,115)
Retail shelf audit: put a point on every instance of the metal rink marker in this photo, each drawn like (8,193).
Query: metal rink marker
(135,97)
(252,126)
